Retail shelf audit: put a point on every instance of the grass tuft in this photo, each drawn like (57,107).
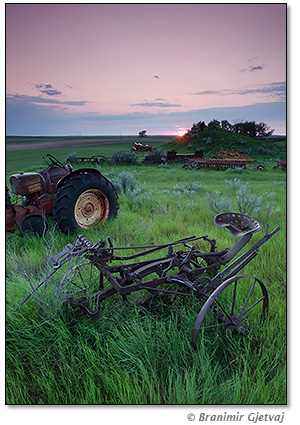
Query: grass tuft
(133,355)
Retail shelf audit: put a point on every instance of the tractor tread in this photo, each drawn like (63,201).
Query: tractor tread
(68,193)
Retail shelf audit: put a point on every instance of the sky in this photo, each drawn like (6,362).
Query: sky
(117,69)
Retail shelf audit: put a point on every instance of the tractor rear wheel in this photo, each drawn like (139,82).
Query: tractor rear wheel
(86,200)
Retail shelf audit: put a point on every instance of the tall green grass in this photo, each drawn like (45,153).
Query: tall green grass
(131,355)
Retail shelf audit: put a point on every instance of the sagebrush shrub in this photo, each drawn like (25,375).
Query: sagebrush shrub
(247,202)
(237,170)
(194,186)
(217,203)
(130,158)
(124,183)
(189,190)
(157,157)
(72,155)
(234,184)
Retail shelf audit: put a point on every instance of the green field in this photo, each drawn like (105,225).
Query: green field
(126,357)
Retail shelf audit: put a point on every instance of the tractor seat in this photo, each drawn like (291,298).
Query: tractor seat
(238,224)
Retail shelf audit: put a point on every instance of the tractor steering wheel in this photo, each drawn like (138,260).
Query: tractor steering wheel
(55,161)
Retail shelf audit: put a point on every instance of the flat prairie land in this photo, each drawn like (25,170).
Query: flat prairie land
(131,355)
(24,143)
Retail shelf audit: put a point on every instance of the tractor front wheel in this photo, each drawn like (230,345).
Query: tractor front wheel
(86,200)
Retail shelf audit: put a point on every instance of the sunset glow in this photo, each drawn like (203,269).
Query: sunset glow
(181,133)
(102,69)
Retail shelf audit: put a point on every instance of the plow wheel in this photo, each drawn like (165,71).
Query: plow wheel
(174,291)
(86,200)
(70,289)
(236,305)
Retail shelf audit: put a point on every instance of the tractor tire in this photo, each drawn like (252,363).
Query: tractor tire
(86,200)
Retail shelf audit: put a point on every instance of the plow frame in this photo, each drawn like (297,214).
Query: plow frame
(192,277)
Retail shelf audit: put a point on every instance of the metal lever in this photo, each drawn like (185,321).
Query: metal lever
(54,259)
(269,235)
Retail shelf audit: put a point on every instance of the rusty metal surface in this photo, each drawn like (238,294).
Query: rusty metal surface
(140,147)
(178,157)
(238,224)
(185,272)
(94,159)
(217,163)
(26,183)
(36,193)
(91,209)
(233,154)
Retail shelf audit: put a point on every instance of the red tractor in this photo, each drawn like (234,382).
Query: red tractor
(76,199)
(141,147)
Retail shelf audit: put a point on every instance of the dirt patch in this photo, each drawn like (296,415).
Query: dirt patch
(56,144)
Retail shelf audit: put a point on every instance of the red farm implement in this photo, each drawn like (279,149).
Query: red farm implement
(173,156)
(219,164)
(76,199)
(140,147)
(281,164)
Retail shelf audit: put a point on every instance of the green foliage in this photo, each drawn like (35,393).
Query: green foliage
(245,137)
(71,156)
(212,141)
(235,170)
(124,183)
(234,184)
(217,203)
(131,355)
(260,206)
(214,125)
(247,128)
(247,202)
(156,157)
(120,157)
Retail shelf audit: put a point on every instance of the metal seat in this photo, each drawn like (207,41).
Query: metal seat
(238,224)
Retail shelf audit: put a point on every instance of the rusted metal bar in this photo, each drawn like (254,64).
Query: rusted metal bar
(186,272)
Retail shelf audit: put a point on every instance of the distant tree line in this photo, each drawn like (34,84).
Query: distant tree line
(247,128)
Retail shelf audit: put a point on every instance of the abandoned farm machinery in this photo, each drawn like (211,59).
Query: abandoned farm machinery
(85,274)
